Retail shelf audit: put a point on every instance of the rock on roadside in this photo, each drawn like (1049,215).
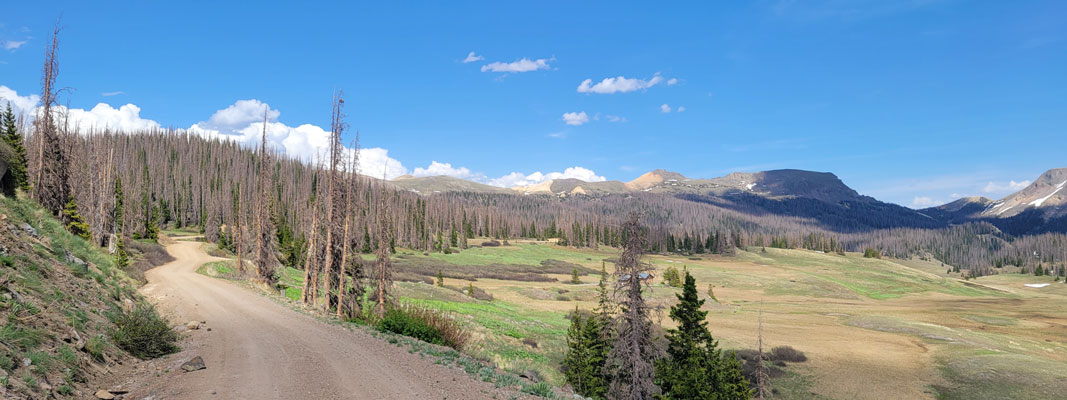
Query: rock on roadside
(196,364)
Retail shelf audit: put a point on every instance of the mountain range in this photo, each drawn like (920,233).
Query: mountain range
(1040,207)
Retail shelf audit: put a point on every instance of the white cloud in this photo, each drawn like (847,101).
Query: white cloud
(672,81)
(575,119)
(558,135)
(19,104)
(618,84)
(923,201)
(523,65)
(472,58)
(12,45)
(1011,186)
(519,179)
(615,118)
(242,122)
(109,94)
(681,108)
(665,108)
(103,116)
(440,168)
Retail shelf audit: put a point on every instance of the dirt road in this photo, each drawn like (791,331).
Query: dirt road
(260,349)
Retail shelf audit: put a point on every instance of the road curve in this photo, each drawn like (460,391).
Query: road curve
(260,349)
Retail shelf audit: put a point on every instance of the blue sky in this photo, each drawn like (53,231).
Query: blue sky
(913,102)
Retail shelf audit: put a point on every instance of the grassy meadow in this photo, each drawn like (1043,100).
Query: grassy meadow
(870,328)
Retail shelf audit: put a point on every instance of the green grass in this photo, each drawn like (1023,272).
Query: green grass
(516,253)
(874,278)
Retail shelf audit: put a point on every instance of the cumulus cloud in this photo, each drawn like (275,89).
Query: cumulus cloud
(576,119)
(519,179)
(619,84)
(923,202)
(12,44)
(19,104)
(103,116)
(472,58)
(665,108)
(1011,186)
(242,122)
(672,81)
(439,168)
(522,65)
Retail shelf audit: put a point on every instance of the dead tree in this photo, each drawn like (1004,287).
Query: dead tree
(351,177)
(52,187)
(383,272)
(332,267)
(633,354)
(307,295)
(264,228)
(237,237)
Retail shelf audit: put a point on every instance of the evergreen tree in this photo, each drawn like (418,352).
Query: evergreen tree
(440,279)
(694,367)
(574,277)
(13,138)
(583,364)
(75,223)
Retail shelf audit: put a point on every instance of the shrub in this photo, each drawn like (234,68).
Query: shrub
(491,243)
(428,325)
(672,277)
(871,253)
(95,347)
(143,333)
(787,353)
(540,389)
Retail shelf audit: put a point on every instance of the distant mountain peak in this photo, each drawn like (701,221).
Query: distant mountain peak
(1048,194)
(653,178)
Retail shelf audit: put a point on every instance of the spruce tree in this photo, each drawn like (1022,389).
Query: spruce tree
(14,139)
(75,223)
(583,364)
(694,367)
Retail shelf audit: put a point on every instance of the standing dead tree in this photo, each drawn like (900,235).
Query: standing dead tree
(332,268)
(265,259)
(238,238)
(383,273)
(52,187)
(353,271)
(308,294)
(632,356)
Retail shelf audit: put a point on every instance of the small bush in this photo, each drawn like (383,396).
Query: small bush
(428,325)
(530,342)
(143,333)
(871,253)
(787,353)
(491,243)
(672,277)
(540,389)
(95,347)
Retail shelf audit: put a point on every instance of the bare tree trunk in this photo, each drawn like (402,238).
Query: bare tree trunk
(238,239)
(761,373)
(307,293)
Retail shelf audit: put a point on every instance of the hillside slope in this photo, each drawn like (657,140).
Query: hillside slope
(57,292)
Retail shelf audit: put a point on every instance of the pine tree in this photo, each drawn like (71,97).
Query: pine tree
(584,361)
(440,279)
(14,139)
(694,367)
(75,223)
(574,277)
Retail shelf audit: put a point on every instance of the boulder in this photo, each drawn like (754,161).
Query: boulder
(104,395)
(192,325)
(30,230)
(196,364)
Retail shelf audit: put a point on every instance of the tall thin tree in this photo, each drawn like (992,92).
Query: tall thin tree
(633,354)
(52,187)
